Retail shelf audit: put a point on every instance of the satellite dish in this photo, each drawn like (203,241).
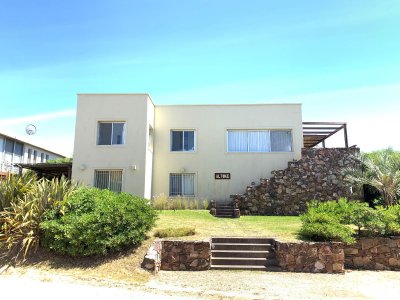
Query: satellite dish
(30,129)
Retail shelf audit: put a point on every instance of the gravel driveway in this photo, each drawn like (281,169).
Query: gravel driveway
(206,285)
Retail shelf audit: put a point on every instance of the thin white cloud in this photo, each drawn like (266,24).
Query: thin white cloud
(38,117)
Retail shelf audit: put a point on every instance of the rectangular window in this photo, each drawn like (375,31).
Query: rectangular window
(108,179)
(111,133)
(47,157)
(182,140)
(41,157)
(18,149)
(34,156)
(9,146)
(29,155)
(181,184)
(259,141)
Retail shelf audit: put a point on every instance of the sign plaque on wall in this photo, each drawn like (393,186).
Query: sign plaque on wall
(222,175)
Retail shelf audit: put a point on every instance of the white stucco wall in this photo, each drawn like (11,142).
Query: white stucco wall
(153,166)
(130,108)
(211,123)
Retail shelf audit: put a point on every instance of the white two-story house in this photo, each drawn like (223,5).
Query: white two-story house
(124,142)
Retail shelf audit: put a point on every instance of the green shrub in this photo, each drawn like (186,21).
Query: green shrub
(327,232)
(174,232)
(334,220)
(97,221)
(390,217)
(324,226)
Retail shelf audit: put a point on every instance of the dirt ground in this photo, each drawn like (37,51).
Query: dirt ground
(205,285)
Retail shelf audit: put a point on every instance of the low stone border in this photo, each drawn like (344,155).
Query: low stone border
(178,255)
(310,257)
(186,255)
(375,253)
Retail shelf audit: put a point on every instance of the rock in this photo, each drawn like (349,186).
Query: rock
(394,261)
(194,263)
(319,266)
(338,268)
(358,261)
(350,251)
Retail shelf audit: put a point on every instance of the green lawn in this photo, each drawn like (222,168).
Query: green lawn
(285,228)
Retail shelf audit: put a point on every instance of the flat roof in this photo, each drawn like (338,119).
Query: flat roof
(167,105)
(27,143)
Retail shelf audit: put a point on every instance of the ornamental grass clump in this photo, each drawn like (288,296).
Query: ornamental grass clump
(24,202)
(97,221)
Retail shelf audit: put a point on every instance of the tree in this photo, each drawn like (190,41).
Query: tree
(381,170)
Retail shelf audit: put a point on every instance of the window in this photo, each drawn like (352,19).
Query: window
(259,141)
(182,140)
(29,155)
(47,157)
(35,156)
(108,179)
(41,157)
(111,133)
(181,184)
(9,146)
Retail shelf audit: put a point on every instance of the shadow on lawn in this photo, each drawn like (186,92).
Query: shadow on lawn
(49,259)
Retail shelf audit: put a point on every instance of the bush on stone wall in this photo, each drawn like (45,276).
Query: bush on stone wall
(94,221)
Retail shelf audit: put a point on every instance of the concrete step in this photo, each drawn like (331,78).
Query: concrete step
(224,216)
(249,268)
(222,211)
(241,246)
(241,240)
(242,253)
(240,261)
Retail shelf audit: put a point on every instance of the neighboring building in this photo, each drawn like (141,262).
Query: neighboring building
(15,151)
(126,143)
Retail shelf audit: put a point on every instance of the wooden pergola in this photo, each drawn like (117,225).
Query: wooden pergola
(317,132)
(48,170)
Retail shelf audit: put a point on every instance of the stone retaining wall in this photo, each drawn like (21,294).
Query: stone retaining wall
(152,259)
(318,175)
(185,255)
(310,257)
(377,253)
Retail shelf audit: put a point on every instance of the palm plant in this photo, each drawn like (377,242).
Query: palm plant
(381,170)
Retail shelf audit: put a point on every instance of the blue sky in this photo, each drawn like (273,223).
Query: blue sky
(341,59)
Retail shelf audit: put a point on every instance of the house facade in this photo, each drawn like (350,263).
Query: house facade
(124,142)
(15,151)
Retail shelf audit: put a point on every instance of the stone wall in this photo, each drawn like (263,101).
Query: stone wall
(318,175)
(377,253)
(152,259)
(185,255)
(310,257)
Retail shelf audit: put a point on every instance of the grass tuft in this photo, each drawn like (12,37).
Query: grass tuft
(174,232)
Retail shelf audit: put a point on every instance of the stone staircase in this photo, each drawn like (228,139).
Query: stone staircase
(224,209)
(243,253)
